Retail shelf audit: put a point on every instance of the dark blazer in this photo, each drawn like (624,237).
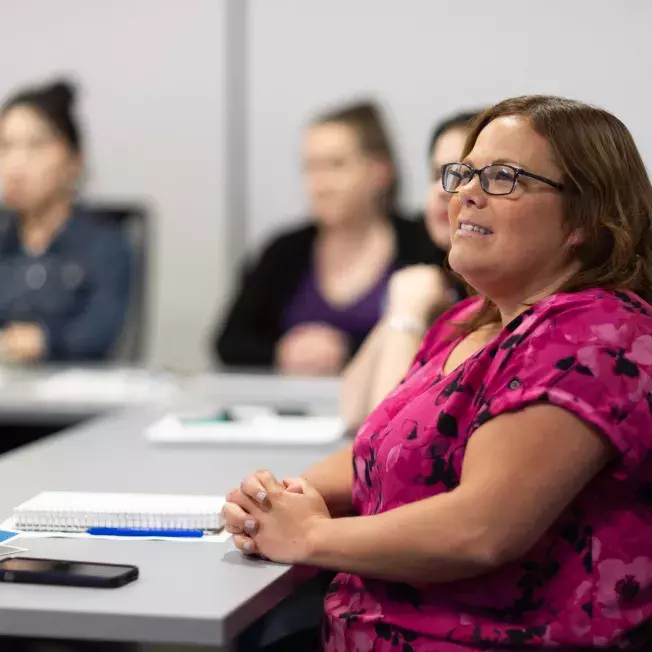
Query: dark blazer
(252,328)
(77,290)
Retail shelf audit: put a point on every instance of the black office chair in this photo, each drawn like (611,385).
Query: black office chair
(134,222)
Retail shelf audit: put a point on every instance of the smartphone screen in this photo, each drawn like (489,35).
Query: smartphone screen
(57,571)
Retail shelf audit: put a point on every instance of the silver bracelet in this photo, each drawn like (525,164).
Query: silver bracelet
(406,324)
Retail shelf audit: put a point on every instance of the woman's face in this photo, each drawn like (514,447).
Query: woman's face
(35,164)
(344,184)
(448,149)
(527,249)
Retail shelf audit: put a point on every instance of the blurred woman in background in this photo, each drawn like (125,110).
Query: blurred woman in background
(316,292)
(416,295)
(64,278)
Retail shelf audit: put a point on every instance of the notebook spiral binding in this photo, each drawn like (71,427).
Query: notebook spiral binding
(72,520)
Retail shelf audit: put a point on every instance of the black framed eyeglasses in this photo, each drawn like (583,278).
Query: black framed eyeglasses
(495,179)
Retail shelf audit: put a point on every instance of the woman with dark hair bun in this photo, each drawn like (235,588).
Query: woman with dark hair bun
(64,277)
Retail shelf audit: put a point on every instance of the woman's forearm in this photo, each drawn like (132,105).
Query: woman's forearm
(430,541)
(394,359)
(358,377)
(333,479)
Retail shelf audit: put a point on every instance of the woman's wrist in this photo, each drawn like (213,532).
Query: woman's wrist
(318,539)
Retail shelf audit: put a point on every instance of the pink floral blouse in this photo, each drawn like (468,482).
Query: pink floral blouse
(588,581)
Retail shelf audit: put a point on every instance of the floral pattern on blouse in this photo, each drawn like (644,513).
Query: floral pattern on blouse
(588,581)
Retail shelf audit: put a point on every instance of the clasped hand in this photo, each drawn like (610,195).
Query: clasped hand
(277,520)
(22,342)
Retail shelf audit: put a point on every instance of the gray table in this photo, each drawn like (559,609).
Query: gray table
(21,402)
(321,394)
(196,593)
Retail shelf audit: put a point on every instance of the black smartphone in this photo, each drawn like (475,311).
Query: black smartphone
(30,570)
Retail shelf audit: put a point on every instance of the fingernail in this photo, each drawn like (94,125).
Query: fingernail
(247,546)
(260,496)
(249,525)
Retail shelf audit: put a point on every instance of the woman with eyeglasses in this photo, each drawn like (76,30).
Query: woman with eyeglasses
(416,294)
(500,497)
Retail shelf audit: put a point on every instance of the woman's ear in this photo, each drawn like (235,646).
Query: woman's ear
(75,170)
(383,173)
(576,238)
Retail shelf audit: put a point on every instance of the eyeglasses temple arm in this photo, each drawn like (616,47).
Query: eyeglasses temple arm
(550,182)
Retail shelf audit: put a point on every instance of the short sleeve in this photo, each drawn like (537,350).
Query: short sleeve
(606,382)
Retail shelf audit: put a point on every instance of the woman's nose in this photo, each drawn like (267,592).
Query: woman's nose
(472,195)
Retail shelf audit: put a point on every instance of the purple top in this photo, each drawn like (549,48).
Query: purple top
(308,305)
(588,581)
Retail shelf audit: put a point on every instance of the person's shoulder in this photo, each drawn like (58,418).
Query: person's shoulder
(448,325)
(410,228)
(289,236)
(587,352)
(89,225)
(290,240)
(461,311)
(99,238)
(612,318)
(8,231)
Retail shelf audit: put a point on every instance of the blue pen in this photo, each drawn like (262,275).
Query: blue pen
(129,532)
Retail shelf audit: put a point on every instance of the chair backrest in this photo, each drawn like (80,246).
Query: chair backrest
(133,220)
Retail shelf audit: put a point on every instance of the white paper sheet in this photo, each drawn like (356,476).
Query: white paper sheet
(103,386)
(10,551)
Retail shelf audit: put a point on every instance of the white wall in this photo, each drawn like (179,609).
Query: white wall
(152,80)
(167,115)
(304,56)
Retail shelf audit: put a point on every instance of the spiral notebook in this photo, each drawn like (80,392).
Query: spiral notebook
(65,511)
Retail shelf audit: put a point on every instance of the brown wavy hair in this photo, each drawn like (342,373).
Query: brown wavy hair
(607,193)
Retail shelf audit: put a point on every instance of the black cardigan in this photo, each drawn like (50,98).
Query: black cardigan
(249,335)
